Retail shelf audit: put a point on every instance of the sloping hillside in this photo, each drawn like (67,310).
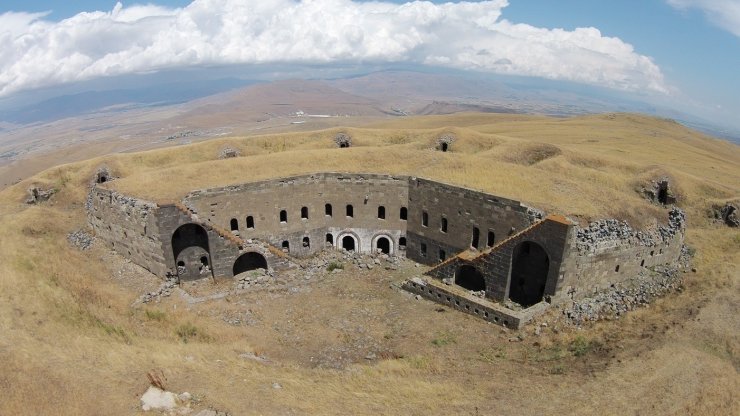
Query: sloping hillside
(75,340)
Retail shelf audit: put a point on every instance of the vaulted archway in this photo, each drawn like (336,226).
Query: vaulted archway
(470,278)
(530,265)
(348,243)
(189,249)
(249,261)
(384,245)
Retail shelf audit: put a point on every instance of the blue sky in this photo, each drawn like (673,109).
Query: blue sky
(685,51)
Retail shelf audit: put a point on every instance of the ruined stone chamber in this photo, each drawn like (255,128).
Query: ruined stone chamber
(484,251)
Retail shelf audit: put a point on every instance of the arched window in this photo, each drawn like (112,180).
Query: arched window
(404,213)
(443,224)
(330,239)
(234,224)
(491,239)
(424,219)
(250,222)
(327,210)
(304,213)
(283,216)
(476,238)
(350,211)
(381,212)
(306,242)
(286,246)
(402,243)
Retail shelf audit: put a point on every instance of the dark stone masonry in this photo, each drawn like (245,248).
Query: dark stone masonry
(484,251)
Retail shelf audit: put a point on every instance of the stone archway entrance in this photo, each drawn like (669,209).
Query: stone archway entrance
(529,268)
(249,261)
(383,244)
(190,251)
(348,243)
(470,278)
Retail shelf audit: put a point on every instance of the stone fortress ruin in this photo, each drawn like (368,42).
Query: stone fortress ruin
(488,256)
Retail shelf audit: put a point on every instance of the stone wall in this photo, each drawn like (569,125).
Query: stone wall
(128,225)
(496,264)
(464,210)
(483,246)
(608,252)
(303,200)
(305,214)
(184,252)
(452,298)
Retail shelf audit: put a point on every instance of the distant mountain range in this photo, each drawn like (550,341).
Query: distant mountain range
(236,105)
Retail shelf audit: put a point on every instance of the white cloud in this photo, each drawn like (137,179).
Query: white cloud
(36,53)
(723,13)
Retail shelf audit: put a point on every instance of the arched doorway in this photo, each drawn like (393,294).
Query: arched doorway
(249,261)
(470,278)
(348,243)
(190,251)
(529,267)
(383,244)
(189,235)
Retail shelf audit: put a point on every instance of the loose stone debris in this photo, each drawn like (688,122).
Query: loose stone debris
(164,291)
(611,232)
(81,239)
(729,214)
(343,140)
(37,195)
(228,152)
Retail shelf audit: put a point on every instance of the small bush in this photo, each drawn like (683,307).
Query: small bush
(334,266)
(444,338)
(155,315)
(580,346)
(558,369)
(113,330)
(188,332)
(490,355)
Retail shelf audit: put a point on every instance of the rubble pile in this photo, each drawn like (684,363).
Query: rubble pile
(257,277)
(625,297)
(228,152)
(612,232)
(728,214)
(37,195)
(80,239)
(164,291)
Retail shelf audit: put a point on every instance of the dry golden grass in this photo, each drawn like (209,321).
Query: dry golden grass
(71,342)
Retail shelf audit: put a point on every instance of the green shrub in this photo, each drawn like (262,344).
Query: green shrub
(444,338)
(580,346)
(334,266)
(188,331)
(155,315)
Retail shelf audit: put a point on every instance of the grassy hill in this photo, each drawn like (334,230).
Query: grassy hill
(74,341)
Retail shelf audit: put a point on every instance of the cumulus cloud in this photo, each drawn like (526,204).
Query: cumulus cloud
(35,52)
(723,13)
